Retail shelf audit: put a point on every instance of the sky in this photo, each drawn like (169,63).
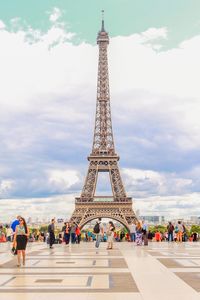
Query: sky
(48,75)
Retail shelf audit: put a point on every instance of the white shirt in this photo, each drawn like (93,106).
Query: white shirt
(132,228)
(180,227)
(101,228)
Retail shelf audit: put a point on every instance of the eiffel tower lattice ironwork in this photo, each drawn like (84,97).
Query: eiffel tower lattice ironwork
(103,157)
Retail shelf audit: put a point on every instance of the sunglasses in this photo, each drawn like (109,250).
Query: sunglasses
(21,220)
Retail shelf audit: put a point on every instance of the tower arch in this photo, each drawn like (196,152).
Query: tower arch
(106,217)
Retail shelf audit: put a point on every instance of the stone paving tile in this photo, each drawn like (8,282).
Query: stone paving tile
(181,261)
(115,284)
(192,279)
(21,280)
(112,263)
(169,263)
(122,277)
(75,252)
(176,263)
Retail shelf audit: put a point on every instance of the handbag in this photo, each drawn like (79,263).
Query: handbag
(109,233)
(14,250)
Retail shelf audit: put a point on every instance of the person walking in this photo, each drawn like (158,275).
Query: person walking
(99,232)
(170,230)
(185,237)
(110,235)
(21,239)
(145,233)
(63,231)
(132,229)
(138,234)
(51,231)
(2,234)
(78,234)
(73,233)
(121,236)
(179,235)
(67,233)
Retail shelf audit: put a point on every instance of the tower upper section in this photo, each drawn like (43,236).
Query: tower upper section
(103,142)
(102,35)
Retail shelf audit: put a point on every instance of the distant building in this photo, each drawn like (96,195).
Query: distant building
(29,221)
(60,220)
(137,213)
(195,220)
(153,219)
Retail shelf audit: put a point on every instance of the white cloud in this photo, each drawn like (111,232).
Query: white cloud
(2,25)
(56,35)
(67,69)
(168,72)
(144,183)
(5,187)
(154,33)
(47,97)
(172,207)
(55,15)
(15,21)
(63,206)
(136,174)
(62,179)
(37,70)
(37,208)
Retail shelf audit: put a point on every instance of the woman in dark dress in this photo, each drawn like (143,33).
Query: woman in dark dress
(21,238)
(67,233)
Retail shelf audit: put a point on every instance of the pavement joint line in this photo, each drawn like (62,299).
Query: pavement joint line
(71,273)
(89,281)
(94,262)
(6,282)
(111,282)
(37,262)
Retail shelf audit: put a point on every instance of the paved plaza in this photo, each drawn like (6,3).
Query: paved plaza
(159,271)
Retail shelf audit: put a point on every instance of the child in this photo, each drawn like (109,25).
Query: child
(158,236)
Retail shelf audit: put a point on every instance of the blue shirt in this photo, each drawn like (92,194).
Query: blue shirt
(14,224)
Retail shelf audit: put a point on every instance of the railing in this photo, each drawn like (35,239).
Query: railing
(103,199)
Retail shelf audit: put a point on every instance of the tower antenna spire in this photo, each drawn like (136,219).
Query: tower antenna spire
(102,26)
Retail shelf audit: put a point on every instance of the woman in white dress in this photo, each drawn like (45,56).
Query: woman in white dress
(110,234)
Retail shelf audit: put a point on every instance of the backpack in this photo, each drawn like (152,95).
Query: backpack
(176,229)
(96,228)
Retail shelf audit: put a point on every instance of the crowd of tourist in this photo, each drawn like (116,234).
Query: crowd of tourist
(138,232)
(72,233)
(174,232)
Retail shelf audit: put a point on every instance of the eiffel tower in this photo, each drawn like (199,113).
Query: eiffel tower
(103,157)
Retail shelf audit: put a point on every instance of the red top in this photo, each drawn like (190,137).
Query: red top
(78,231)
